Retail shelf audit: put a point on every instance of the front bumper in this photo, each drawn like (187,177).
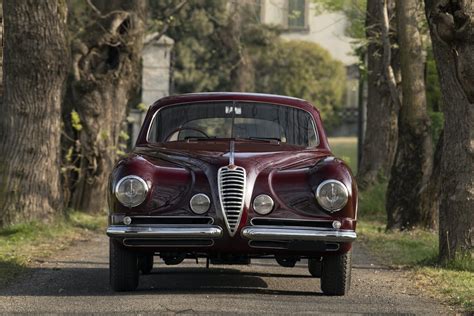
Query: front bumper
(252,233)
(263,233)
(165,231)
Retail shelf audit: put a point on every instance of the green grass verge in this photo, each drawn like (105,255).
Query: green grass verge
(346,149)
(418,250)
(23,243)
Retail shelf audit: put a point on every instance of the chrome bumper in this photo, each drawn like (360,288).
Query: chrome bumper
(165,231)
(297,234)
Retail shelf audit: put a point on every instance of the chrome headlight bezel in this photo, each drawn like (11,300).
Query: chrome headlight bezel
(257,208)
(320,200)
(194,208)
(128,203)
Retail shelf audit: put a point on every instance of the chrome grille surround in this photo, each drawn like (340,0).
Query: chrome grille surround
(232,182)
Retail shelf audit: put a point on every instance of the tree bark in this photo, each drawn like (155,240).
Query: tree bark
(452,35)
(106,66)
(35,67)
(413,163)
(243,73)
(382,111)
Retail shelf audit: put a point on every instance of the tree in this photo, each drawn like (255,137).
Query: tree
(451,28)
(383,75)
(411,171)
(301,69)
(105,73)
(35,68)
(214,43)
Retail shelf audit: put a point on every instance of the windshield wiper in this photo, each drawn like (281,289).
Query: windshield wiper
(266,139)
(198,138)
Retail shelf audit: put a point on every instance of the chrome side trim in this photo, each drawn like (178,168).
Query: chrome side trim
(166,246)
(291,220)
(165,231)
(210,219)
(291,233)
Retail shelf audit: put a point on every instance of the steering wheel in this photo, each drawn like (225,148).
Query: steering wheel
(185,128)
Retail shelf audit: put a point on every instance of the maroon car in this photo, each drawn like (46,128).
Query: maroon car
(229,177)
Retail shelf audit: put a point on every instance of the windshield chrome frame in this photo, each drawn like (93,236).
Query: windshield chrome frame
(315,130)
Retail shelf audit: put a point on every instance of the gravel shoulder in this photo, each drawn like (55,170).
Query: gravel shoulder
(76,281)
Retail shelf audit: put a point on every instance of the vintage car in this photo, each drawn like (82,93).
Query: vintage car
(230,177)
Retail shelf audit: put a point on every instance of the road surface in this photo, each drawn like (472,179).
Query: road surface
(76,281)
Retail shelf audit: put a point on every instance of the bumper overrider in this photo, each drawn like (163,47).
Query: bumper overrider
(252,233)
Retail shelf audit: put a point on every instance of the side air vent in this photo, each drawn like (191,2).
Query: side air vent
(231,194)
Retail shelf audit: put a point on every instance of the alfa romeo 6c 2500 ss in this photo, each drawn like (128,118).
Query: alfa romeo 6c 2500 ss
(230,177)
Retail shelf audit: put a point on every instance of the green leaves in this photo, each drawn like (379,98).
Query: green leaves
(76,121)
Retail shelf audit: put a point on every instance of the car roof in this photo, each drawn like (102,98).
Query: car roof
(233,96)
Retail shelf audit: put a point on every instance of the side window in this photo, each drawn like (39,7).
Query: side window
(312,138)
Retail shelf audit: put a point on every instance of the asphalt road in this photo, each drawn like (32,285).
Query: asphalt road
(76,281)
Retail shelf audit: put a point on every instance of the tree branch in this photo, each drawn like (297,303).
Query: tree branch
(167,23)
(387,56)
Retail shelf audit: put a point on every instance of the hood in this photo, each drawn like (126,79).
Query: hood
(249,155)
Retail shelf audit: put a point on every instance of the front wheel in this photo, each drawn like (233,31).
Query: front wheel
(315,266)
(336,274)
(123,268)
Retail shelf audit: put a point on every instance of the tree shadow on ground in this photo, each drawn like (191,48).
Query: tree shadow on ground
(163,280)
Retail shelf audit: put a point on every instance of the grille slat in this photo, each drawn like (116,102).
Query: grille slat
(231,193)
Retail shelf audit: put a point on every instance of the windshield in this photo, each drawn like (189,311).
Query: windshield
(240,120)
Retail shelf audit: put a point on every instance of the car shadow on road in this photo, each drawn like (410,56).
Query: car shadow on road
(94,281)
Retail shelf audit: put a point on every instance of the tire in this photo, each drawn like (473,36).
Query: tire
(145,263)
(123,268)
(315,267)
(336,274)
(287,262)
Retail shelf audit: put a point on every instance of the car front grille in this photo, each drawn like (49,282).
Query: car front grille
(232,182)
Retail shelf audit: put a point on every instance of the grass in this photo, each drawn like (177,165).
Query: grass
(22,244)
(418,250)
(415,250)
(346,149)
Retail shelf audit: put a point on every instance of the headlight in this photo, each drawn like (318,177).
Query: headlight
(332,195)
(131,191)
(263,204)
(200,203)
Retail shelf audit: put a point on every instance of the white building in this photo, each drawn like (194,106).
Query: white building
(301,20)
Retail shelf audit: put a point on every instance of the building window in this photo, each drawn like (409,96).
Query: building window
(258,6)
(296,14)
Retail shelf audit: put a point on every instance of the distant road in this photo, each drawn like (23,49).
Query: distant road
(76,280)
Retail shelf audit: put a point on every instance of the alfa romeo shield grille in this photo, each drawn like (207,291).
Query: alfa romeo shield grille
(231,193)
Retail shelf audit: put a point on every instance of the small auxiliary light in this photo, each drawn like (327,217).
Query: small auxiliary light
(336,224)
(127,220)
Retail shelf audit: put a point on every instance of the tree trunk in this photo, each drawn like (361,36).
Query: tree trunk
(381,132)
(242,74)
(412,167)
(452,35)
(35,68)
(106,65)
